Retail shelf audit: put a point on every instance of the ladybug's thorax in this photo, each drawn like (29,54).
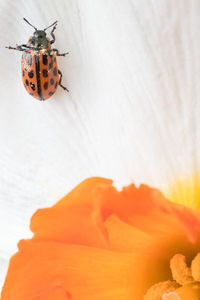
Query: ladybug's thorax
(39,40)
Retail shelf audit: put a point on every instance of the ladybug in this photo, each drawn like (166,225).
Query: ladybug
(40,74)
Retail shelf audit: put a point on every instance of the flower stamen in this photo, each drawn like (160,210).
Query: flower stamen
(180,271)
(171,296)
(195,266)
(186,282)
(159,289)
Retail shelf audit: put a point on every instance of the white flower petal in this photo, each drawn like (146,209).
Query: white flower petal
(132,113)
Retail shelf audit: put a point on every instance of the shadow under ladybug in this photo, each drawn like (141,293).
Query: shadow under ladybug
(40,74)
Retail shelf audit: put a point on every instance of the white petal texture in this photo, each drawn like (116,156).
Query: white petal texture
(132,113)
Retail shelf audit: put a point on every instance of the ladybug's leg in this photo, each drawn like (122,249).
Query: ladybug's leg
(52,34)
(60,54)
(29,47)
(19,48)
(60,80)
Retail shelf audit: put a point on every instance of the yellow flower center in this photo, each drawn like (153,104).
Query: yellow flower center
(185,284)
(186,191)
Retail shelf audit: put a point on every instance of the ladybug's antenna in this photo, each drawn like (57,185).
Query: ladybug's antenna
(30,24)
(55,23)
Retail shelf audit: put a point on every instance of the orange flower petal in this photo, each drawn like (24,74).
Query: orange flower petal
(57,293)
(85,273)
(126,238)
(139,206)
(71,220)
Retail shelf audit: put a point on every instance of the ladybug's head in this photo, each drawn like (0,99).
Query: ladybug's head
(39,34)
(39,39)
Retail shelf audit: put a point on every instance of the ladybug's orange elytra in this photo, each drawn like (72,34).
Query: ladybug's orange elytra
(40,73)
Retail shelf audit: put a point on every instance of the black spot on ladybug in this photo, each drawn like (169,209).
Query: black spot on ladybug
(32,86)
(27,83)
(46,85)
(50,93)
(51,64)
(45,59)
(56,84)
(23,73)
(55,71)
(52,81)
(45,73)
(29,59)
(30,74)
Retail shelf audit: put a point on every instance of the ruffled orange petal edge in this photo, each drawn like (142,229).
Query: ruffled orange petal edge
(79,218)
